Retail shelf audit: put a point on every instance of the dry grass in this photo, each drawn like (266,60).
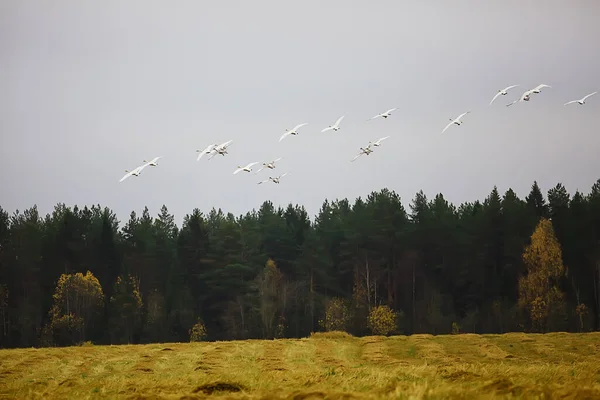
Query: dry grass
(324,366)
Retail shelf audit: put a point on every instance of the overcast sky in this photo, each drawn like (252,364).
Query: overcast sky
(89,89)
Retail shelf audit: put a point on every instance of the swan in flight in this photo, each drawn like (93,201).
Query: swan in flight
(274,180)
(538,88)
(366,151)
(526,96)
(247,168)
(580,101)
(335,126)
(293,131)
(269,165)
(502,92)
(384,114)
(207,150)
(220,149)
(153,162)
(378,142)
(135,172)
(456,121)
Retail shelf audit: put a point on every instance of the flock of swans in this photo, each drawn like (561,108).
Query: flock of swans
(221,149)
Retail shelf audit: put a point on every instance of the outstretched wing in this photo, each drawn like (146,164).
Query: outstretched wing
(327,129)
(299,126)
(495,97)
(570,102)
(381,140)
(358,155)
(591,94)
(337,123)
(390,110)
(265,181)
(251,164)
(284,135)
(463,114)
(205,151)
(127,175)
(224,145)
(509,87)
(448,126)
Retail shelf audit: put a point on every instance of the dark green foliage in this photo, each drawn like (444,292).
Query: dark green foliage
(433,262)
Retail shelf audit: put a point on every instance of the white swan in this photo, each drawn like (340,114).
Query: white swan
(538,88)
(384,114)
(293,131)
(274,180)
(247,168)
(366,151)
(335,126)
(456,121)
(135,172)
(580,101)
(207,150)
(220,149)
(526,96)
(153,162)
(270,165)
(502,92)
(378,142)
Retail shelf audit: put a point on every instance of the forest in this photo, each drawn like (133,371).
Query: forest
(499,265)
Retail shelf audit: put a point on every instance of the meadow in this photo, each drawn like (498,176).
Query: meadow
(324,366)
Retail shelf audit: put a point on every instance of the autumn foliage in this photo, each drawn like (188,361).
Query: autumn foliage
(382,320)
(78,303)
(539,293)
(198,332)
(337,316)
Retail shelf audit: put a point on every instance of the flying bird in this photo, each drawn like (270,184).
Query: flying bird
(580,101)
(538,88)
(526,96)
(135,172)
(366,151)
(274,180)
(378,142)
(456,121)
(220,149)
(293,131)
(270,165)
(502,92)
(247,168)
(153,162)
(207,150)
(384,114)
(335,126)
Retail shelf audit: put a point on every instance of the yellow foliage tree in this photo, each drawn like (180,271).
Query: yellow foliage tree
(337,316)
(198,331)
(382,320)
(539,293)
(78,301)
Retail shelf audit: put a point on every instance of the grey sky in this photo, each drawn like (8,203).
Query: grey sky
(89,89)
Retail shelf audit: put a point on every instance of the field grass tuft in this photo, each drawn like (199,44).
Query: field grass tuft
(333,365)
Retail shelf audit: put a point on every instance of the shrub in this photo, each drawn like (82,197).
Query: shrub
(382,320)
(337,315)
(198,332)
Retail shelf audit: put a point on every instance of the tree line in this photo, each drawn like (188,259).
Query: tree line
(492,266)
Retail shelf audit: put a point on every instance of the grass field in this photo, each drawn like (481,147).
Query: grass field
(332,366)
